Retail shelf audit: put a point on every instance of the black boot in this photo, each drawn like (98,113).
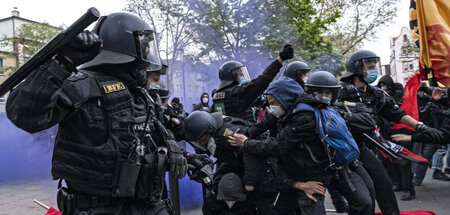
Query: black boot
(408,195)
(438,175)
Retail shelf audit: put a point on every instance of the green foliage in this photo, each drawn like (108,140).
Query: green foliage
(360,21)
(322,32)
(225,29)
(29,39)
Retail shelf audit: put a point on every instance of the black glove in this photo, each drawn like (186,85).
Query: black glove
(287,53)
(198,160)
(178,163)
(83,48)
(432,134)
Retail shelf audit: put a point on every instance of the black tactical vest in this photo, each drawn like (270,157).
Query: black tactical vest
(228,106)
(105,168)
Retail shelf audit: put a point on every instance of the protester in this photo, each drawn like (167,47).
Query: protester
(204,103)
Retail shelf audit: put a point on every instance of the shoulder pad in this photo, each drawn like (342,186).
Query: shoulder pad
(75,76)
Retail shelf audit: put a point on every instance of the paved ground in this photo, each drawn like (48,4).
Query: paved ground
(17,198)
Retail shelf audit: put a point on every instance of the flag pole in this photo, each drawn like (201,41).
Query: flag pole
(41,204)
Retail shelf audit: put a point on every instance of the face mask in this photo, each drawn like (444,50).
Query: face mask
(154,86)
(371,76)
(243,81)
(326,100)
(305,80)
(205,100)
(384,88)
(230,203)
(276,111)
(211,146)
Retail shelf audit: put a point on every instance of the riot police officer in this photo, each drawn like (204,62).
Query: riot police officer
(352,181)
(209,134)
(110,149)
(236,91)
(298,71)
(160,95)
(363,67)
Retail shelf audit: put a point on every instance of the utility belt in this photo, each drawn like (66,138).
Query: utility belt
(69,200)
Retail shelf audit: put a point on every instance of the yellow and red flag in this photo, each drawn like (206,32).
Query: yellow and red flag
(430,27)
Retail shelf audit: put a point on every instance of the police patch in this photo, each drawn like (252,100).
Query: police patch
(109,88)
(219,95)
(227,132)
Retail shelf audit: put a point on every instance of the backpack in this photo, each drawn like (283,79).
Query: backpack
(334,134)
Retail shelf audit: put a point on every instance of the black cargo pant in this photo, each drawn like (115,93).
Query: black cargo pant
(357,187)
(296,203)
(125,207)
(383,185)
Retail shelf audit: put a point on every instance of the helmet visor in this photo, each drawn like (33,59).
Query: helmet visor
(148,49)
(243,73)
(371,64)
(202,143)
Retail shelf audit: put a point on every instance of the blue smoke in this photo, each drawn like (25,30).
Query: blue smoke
(24,156)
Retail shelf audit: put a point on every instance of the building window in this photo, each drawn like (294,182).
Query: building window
(405,65)
(2,99)
(404,51)
(405,37)
(2,70)
(411,66)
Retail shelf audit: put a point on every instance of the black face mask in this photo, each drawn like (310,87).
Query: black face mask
(301,82)
(139,72)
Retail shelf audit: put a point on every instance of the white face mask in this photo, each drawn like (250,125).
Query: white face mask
(211,146)
(305,80)
(205,100)
(230,203)
(276,110)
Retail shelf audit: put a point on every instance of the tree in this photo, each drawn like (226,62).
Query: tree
(225,29)
(360,21)
(171,20)
(28,40)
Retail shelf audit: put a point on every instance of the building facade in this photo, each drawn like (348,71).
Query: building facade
(188,83)
(8,53)
(404,60)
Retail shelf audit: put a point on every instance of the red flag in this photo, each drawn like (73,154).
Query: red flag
(410,101)
(53,211)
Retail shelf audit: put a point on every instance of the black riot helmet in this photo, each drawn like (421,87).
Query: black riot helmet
(229,72)
(356,63)
(199,123)
(295,70)
(322,80)
(126,39)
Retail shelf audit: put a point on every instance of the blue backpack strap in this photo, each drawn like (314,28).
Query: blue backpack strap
(303,107)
